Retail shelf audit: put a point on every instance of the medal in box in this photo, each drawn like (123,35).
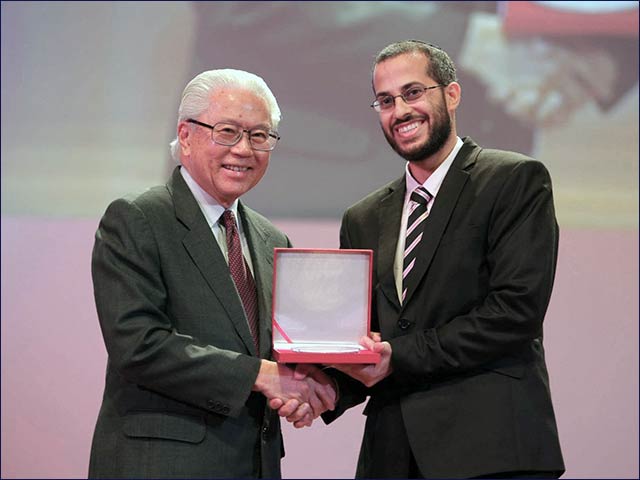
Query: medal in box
(321,305)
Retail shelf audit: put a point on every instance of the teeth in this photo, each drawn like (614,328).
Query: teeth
(234,168)
(408,128)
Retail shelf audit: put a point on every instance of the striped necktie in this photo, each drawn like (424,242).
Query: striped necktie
(415,227)
(242,277)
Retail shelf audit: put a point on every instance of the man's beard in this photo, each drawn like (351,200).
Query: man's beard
(440,132)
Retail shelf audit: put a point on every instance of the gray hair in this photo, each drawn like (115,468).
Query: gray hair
(441,68)
(196,97)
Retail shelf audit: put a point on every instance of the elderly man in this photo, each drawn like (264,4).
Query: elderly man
(182,281)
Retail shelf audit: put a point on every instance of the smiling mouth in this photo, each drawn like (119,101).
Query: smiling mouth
(408,129)
(235,168)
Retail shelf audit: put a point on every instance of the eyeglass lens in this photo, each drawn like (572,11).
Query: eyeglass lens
(229,134)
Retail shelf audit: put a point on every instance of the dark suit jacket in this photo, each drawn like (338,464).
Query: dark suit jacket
(178,400)
(469,370)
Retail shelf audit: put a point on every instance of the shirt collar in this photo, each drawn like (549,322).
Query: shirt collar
(210,207)
(433,183)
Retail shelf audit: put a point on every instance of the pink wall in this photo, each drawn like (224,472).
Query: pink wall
(53,358)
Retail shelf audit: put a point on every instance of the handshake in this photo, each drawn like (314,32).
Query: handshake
(299,394)
(304,393)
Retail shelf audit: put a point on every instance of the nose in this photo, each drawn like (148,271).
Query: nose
(400,106)
(243,147)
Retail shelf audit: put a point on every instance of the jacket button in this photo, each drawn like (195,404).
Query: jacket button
(404,324)
(225,409)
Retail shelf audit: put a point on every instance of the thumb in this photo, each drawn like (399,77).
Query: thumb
(302,371)
(381,347)
(368,343)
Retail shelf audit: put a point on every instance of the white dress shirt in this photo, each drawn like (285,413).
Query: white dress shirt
(213,211)
(432,184)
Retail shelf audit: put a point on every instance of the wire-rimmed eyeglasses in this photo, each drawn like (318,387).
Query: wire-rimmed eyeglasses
(411,95)
(228,134)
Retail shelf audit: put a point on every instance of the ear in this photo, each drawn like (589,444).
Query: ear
(453,94)
(184,138)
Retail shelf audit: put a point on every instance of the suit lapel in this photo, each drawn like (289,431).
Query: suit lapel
(261,250)
(389,218)
(205,253)
(440,214)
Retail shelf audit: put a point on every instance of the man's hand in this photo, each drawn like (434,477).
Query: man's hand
(299,414)
(300,396)
(303,414)
(369,375)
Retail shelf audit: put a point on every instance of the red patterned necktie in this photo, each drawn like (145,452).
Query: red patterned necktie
(241,275)
(415,227)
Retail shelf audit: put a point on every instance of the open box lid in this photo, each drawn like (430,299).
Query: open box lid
(322,305)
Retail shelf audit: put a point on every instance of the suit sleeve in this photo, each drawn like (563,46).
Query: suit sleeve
(521,256)
(143,343)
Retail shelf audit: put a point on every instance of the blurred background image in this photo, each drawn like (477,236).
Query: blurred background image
(90,92)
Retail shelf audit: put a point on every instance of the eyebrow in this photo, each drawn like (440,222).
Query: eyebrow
(402,89)
(261,126)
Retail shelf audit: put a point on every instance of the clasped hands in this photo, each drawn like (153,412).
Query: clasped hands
(299,394)
(304,393)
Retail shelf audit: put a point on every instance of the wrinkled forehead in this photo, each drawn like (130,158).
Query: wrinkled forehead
(239,106)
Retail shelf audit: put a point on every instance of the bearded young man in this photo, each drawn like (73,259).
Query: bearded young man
(465,249)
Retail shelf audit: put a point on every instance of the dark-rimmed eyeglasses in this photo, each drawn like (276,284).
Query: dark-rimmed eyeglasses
(411,95)
(228,134)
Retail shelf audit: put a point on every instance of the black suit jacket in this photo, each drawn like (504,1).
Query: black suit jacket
(181,360)
(469,372)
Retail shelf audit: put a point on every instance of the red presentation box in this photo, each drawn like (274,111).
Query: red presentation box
(321,305)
